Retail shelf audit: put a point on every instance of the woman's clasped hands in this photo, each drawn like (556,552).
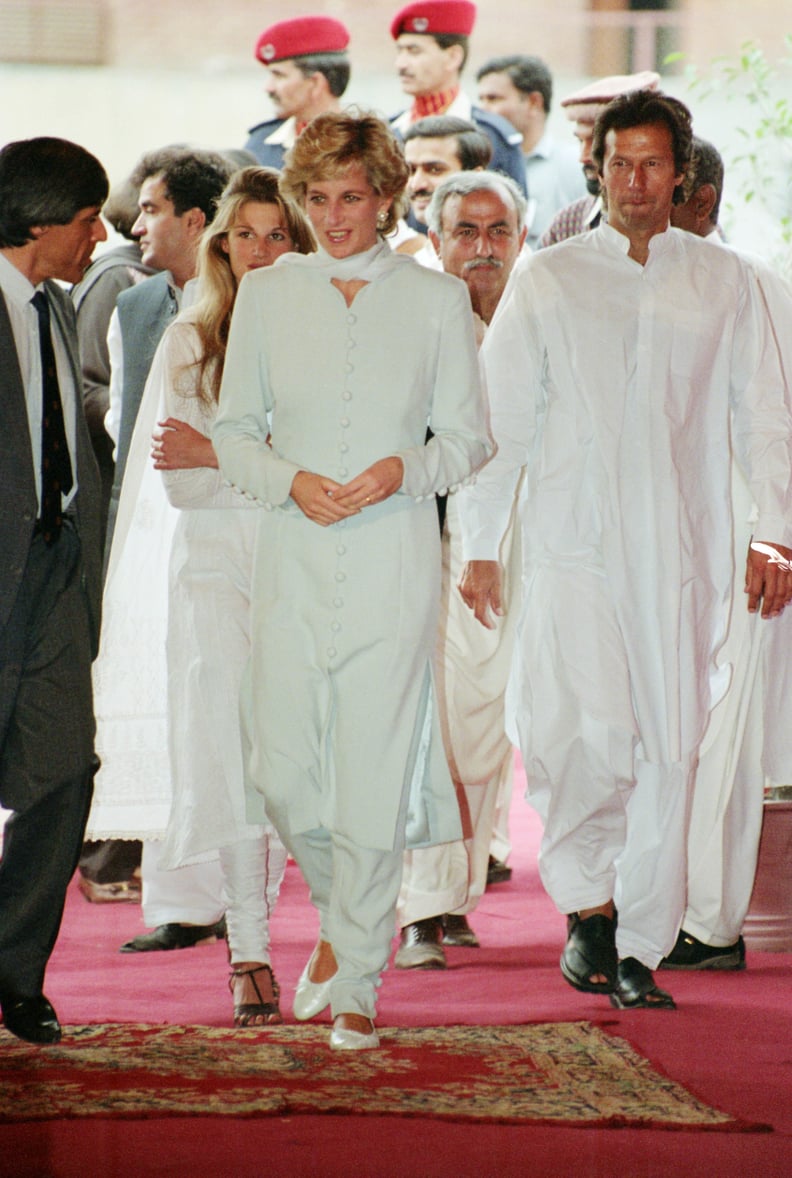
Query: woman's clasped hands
(326,502)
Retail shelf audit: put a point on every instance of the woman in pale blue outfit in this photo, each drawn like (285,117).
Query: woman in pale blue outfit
(336,365)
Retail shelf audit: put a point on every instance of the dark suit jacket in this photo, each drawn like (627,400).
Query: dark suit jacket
(18,506)
(144,311)
(269,155)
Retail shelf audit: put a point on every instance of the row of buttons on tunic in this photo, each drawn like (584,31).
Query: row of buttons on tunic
(344,423)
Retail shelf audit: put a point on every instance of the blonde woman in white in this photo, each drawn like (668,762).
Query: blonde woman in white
(211,563)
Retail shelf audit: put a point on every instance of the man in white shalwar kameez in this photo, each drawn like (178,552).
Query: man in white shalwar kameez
(625,367)
(477,228)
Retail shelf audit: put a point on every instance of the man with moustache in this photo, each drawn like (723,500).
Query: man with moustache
(51,194)
(477,225)
(308,67)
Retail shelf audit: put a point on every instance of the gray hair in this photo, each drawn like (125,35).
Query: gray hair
(465,184)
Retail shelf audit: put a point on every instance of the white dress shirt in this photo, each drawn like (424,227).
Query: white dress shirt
(115,351)
(18,293)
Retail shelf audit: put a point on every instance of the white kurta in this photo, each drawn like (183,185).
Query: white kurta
(726,815)
(339,699)
(175,637)
(208,643)
(472,669)
(777,678)
(612,383)
(132,793)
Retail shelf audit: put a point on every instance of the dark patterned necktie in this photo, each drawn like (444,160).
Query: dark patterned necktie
(56,471)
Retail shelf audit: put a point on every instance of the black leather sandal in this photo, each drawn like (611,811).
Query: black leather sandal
(245,1012)
(590,950)
(636,988)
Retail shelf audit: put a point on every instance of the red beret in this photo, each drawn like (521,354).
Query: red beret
(431,17)
(301,37)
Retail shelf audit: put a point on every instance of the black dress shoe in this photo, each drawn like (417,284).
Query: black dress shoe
(497,871)
(175,936)
(691,953)
(590,952)
(457,931)
(32,1019)
(420,946)
(123,891)
(636,989)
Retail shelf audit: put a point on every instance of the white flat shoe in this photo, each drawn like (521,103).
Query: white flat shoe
(310,998)
(344,1039)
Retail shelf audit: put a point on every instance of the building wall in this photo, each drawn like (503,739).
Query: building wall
(215,31)
(186,32)
(217,34)
(720,27)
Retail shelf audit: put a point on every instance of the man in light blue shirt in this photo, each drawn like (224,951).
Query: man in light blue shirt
(520,89)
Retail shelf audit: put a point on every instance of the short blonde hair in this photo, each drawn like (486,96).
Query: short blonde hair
(332,142)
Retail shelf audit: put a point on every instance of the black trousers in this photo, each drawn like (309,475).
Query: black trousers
(47,759)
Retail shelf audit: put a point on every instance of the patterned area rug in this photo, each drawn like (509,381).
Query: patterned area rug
(570,1073)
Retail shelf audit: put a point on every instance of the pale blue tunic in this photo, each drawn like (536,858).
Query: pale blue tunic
(338,700)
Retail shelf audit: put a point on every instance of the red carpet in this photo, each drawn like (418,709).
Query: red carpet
(545,1073)
(729,1044)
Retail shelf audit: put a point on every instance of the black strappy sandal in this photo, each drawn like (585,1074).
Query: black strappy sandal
(245,1012)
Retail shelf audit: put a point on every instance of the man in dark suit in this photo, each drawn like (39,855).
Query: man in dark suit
(51,193)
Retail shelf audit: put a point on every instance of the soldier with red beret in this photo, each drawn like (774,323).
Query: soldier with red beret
(308,72)
(431,50)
